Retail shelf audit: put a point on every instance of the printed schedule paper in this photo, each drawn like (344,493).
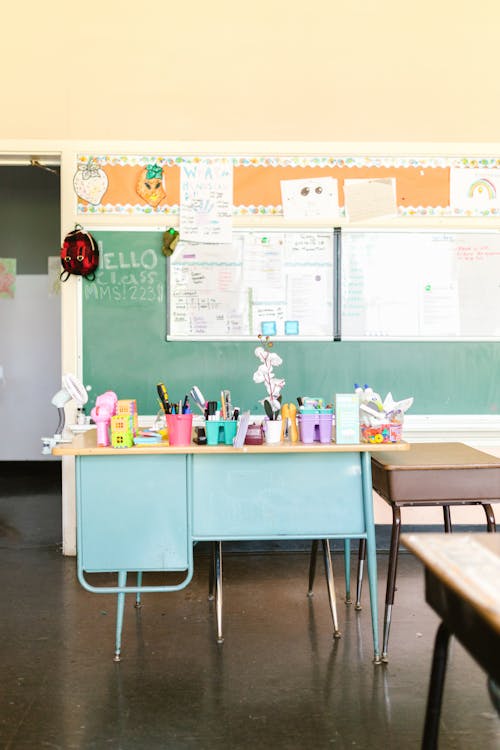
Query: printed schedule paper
(277,283)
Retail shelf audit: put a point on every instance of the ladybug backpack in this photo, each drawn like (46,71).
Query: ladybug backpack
(79,254)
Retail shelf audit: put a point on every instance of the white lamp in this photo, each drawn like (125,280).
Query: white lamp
(73,389)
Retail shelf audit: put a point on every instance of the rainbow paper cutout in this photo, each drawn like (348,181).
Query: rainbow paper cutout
(477,187)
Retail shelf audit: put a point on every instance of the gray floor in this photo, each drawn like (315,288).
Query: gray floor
(278,681)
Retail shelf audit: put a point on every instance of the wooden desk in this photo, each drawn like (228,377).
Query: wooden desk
(462,584)
(142,508)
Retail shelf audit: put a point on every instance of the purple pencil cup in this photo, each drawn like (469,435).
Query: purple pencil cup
(307,425)
(325,428)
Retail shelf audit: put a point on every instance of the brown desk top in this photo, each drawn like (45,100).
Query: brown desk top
(469,564)
(432,456)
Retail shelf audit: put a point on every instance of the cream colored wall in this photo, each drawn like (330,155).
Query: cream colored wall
(376,70)
(317,73)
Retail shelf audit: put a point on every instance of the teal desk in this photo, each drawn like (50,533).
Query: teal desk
(142,509)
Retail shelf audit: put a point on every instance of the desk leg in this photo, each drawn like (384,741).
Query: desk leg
(312,566)
(361,565)
(371,547)
(490,518)
(122,581)
(138,604)
(391,578)
(347,569)
(330,582)
(435,695)
(218,589)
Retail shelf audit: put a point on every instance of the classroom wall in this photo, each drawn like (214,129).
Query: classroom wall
(325,70)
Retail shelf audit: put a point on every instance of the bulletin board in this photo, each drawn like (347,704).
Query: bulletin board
(116,184)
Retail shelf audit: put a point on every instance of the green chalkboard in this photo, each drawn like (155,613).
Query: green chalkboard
(124,349)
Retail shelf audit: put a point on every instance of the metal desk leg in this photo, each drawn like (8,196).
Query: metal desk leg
(312,566)
(361,565)
(218,589)
(347,570)
(435,695)
(490,517)
(391,578)
(330,582)
(371,548)
(211,573)
(138,604)
(347,567)
(122,581)
(447,519)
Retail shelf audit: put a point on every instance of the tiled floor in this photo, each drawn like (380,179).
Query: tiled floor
(279,680)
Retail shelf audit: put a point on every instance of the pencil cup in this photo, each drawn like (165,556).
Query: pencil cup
(213,430)
(220,431)
(230,428)
(307,427)
(325,428)
(179,428)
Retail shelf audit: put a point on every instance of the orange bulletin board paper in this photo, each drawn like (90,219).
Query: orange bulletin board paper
(420,184)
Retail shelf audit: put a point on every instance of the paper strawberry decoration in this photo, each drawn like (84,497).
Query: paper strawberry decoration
(90,182)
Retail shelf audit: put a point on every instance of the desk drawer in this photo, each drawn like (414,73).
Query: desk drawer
(132,512)
(245,496)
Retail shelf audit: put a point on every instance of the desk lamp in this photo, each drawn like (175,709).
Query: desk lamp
(72,390)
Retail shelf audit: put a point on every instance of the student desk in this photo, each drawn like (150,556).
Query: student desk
(462,584)
(432,474)
(142,508)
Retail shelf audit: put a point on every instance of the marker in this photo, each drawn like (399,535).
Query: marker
(162,393)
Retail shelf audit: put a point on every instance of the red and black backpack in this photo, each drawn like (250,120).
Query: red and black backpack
(79,254)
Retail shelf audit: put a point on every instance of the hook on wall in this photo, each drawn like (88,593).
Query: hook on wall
(36,163)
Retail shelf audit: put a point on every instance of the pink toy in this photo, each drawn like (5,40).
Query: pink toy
(104,409)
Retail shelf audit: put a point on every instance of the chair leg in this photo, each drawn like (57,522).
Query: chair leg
(312,566)
(218,590)
(447,519)
(490,517)
(361,565)
(331,586)
(391,577)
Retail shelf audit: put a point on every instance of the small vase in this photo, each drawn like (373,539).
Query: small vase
(272,431)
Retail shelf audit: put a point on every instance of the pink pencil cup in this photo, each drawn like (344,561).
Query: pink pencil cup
(180,427)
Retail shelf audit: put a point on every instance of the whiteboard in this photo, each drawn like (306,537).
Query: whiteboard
(421,285)
(271,282)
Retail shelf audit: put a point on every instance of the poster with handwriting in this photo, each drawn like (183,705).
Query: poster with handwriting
(206,201)
(277,283)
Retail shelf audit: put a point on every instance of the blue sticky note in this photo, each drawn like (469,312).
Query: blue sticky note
(268,328)
(291,327)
